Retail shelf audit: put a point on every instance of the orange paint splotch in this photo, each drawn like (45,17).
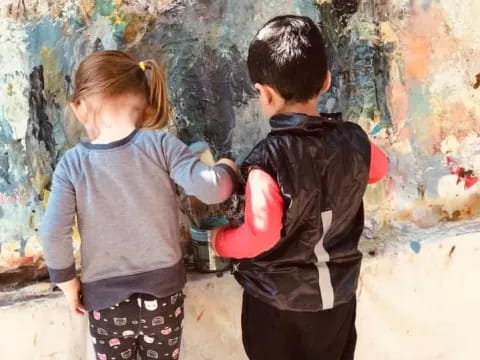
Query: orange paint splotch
(417,53)
(398,102)
(456,120)
(14,262)
(404,134)
(430,24)
(460,121)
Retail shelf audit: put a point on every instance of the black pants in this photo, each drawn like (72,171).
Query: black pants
(141,325)
(272,334)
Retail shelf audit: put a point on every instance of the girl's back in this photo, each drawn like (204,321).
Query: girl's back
(121,189)
(124,198)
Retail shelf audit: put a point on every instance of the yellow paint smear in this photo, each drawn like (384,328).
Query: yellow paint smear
(51,73)
(86,8)
(387,33)
(40,182)
(136,27)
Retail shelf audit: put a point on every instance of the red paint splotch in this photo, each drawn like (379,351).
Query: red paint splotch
(467,176)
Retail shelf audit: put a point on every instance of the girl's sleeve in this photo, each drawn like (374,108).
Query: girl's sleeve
(210,184)
(262,228)
(57,227)
(378,164)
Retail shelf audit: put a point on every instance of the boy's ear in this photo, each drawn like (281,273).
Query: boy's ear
(265,94)
(327,83)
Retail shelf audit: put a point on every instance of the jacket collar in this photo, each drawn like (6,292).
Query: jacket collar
(292,121)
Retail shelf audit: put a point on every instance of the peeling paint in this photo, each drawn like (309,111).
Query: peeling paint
(401,69)
(477,82)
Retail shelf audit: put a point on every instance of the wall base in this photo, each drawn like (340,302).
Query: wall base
(411,306)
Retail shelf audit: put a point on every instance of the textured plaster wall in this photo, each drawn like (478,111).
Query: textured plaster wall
(410,306)
(403,69)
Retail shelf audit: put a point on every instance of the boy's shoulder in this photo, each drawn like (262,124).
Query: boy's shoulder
(354,128)
(353,135)
(260,157)
(343,125)
(261,148)
(357,138)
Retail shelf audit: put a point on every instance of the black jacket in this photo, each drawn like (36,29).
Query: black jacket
(321,165)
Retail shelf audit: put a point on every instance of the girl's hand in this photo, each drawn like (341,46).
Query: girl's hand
(72,290)
(229,163)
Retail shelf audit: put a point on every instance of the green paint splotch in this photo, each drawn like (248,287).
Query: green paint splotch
(104,7)
(110,10)
(118,31)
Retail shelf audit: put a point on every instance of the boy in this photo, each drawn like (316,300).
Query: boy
(298,260)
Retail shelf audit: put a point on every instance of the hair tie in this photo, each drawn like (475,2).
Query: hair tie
(142,66)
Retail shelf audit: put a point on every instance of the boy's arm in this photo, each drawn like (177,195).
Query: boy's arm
(261,230)
(57,227)
(378,164)
(210,184)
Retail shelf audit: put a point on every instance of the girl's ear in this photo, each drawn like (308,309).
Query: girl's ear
(79,108)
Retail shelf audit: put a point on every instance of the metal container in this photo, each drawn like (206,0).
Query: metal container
(203,255)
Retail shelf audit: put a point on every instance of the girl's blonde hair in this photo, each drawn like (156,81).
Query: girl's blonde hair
(111,73)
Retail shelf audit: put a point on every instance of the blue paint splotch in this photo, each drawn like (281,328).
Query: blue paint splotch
(415,246)
(43,34)
(376,129)
(427,3)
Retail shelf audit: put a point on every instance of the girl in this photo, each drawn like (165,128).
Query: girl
(120,186)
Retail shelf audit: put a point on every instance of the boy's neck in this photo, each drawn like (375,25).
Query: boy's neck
(309,108)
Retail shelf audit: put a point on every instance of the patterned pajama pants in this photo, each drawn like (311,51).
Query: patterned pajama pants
(142,325)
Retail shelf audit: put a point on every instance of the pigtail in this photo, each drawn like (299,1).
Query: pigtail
(159,111)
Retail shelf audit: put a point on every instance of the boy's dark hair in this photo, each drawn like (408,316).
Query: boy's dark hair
(289,55)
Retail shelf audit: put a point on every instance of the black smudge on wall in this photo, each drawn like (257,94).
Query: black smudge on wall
(39,128)
(206,82)
(218,85)
(359,67)
(4,167)
(345,7)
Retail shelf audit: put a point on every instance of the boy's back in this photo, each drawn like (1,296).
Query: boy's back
(321,165)
(297,255)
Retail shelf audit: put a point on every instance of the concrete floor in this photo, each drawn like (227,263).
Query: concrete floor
(411,306)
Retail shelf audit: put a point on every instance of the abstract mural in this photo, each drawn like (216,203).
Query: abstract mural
(405,70)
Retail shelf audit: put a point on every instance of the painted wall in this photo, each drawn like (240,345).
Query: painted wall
(404,69)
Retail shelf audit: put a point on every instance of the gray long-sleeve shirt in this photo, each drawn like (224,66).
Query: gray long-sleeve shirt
(123,194)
